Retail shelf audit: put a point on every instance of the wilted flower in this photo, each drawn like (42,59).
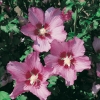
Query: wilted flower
(29,76)
(22,20)
(44,28)
(67,58)
(5,79)
(66,15)
(95,88)
(45,1)
(96,44)
(98,69)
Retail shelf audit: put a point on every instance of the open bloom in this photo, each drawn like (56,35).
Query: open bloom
(67,58)
(96,44)
(43,28)
(29,76)
(66,15)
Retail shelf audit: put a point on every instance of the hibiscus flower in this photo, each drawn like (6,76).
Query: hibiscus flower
(66,15)
(29,76)
(43,28)
(67,58)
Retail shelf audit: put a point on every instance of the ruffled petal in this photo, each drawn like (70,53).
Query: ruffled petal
(69,75)
(42,93)
(51,61)
(55,22)
(57,48)
(18,89)
(58,33)
(41,45)
(50,13)
(33,61)
(17,70)
(28,30)
(77,47)
(36,16)
(82,63)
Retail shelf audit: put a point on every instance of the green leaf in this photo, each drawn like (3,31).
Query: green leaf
(2,16)
(28,51)
(21,97)
(5,29)
(95,24)
(98,13)
(52,81)
(4,95)
(10,28)
(13,27)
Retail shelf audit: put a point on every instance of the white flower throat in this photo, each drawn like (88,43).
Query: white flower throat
(67,60)
(42,31)
(33,78)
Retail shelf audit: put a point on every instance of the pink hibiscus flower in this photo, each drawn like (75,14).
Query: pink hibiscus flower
(67,58)
(66,15)
(29,76)
(43,28)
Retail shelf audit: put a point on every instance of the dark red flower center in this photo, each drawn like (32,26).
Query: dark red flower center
(66,59)
(33,77)
(42,31)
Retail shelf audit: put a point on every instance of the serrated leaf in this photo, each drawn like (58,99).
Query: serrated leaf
(4,95)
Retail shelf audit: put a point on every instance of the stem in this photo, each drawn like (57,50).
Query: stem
(75,21)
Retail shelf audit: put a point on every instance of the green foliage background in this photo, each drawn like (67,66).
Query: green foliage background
(85,24)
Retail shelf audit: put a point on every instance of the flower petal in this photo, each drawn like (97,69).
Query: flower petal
(57,47)
(50,13)
(51,61)
(77,47)
(33,61)
(82,63)
(69,75)
(55,22)
(36,16)
(28,30)
(18,89)
(41,45)
(42,93)
(17,70)
(58,33)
